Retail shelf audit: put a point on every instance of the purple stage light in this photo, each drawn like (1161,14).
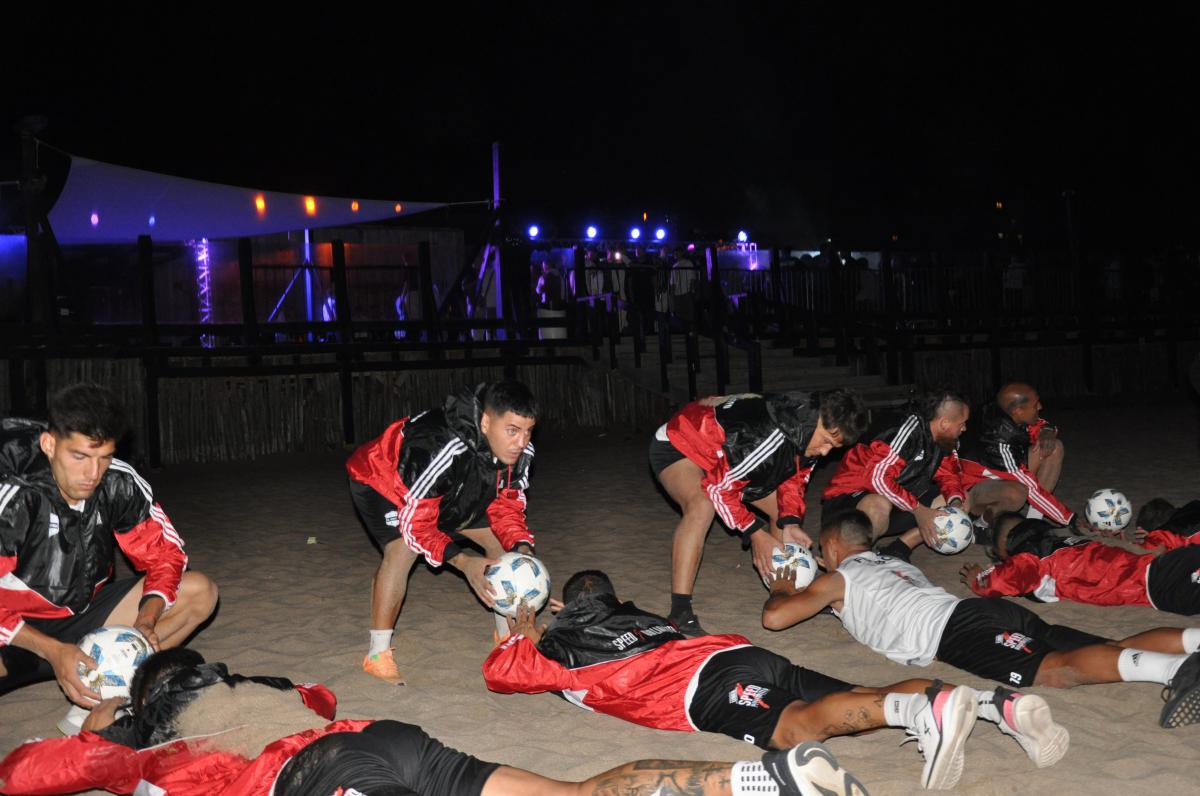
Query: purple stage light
(95,219)
(533,231)
(204,306)
(742,236)
(592,232)
(691,247)
(635,233)
(152,221)
(660,233)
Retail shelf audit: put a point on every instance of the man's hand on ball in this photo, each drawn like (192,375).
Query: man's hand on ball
(795,534)
(525,623)
(762,545)
(65,659)
(472,567)
(103,714)
(524,548)
(782,582)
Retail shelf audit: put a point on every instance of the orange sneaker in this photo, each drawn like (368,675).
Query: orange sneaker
(383,666)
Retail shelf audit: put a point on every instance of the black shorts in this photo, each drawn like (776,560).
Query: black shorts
(388,758)
(1002,641)
(381,518)
(742,693)
(1173,582)
(898,521)
(662,455)
(24,667)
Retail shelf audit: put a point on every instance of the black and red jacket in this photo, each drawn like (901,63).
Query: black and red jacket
(749,447)
(1183,528)
(1002,451)
(53,558)
(438,468)
(610,657)
(901,464)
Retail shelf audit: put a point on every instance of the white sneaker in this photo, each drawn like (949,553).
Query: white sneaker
(810,769)
(941,729)
(1026,717)
(72,723)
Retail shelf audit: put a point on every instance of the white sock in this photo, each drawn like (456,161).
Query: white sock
(1191,640)
(751,779)
(1140,666)
(381,641)
(986,707)
(1034,514)
(900,710)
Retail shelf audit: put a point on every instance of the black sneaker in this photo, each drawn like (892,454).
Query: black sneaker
(897,549)
(810,769)
(1182,695)
(688,625)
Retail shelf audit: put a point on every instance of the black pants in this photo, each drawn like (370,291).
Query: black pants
(388,758)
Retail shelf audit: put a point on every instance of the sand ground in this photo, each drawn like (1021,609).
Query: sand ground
(293,608)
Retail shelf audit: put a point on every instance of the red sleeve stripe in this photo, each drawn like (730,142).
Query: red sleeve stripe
(879,474)
(714,496)
(1036,497)
(423,484)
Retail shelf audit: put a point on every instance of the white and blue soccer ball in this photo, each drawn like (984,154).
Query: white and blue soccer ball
(955,532)
(797,558)
(518,580)
(117,651)
(1109,510)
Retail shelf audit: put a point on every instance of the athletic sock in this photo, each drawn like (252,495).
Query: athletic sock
(751,779)
(381,641)
(1140,666)
(986,707)
(681,604)
(1034,514)
(1191,640)
(900,710)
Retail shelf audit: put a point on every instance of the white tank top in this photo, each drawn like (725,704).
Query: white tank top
(892,607)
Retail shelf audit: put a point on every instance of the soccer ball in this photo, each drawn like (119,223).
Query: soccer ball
(1109,510)
(797,558)
(954,530)
(117,651)
(518,580)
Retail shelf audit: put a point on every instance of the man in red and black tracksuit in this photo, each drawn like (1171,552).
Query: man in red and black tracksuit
(898,476)
(1018,457)
(436,481)
(65,505)
(717,455)
(1036,563)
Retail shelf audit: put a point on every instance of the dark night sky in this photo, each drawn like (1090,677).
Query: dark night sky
(791,121)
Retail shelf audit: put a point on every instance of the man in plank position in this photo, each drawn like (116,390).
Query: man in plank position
(609,656)
(890,606)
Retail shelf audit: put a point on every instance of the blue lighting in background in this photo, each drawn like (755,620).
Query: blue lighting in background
(592,232)
(533,231)
(152,221)
(635,233)
(660,233)
(742,236)
(95,219)
(202,253)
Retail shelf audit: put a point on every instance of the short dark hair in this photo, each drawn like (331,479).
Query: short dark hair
(157,669)
(587,583)
(1011,519)
(87,409)
(1155,514)
(853,527)
(930,403)
(509,396)
(845,411)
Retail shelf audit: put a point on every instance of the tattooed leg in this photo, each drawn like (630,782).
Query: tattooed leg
(844,713)
(640,778)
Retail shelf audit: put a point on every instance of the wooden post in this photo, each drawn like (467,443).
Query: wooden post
(341,297)
(41,303)
(246,277)
(145,261)
(428,305)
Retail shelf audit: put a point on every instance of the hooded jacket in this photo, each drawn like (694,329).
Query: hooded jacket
(749,447)
(439,471)
(123,756)
(900,464)
(53,558)
(611,657)
(1002,452)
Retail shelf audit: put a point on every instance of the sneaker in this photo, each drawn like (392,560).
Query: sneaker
(941,729)
(896,549)
(810,769)
(72,723)
(383,666)
(1182,695)
(688,626)
(1026,718)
